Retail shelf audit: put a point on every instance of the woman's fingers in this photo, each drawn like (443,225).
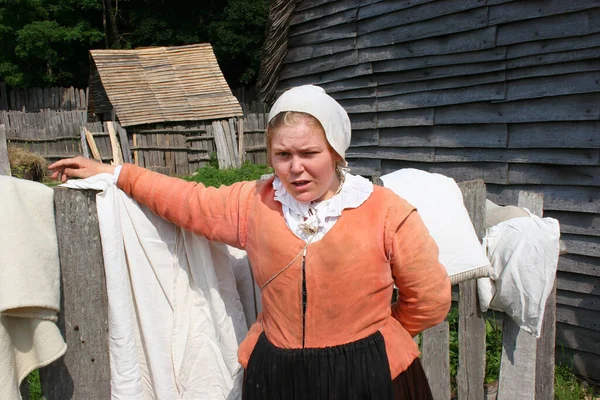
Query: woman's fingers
(78,167)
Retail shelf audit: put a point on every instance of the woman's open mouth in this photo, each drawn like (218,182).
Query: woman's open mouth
(300,184)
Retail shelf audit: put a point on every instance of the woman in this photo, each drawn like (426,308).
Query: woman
(326,248)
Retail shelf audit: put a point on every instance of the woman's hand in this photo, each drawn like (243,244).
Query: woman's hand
(78,167)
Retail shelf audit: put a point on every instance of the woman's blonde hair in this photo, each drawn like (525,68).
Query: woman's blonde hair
(288,118)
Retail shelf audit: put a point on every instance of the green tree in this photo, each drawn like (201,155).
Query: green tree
(45,42)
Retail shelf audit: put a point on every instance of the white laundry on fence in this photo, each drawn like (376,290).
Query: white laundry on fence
(175,315)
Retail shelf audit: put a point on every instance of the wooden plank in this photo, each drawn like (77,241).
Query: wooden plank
(552,46)
(489,92)
(530,156)
(414,117)
(489,172)
(435,358)
(561,108)
(576,134)
(545,352)
(559,198)
(241,146)
(556,26)
(392,153)
(319,65)
(365,167)
(345,72)
(471,324)
(364,121)
(523,174)
(554,63)
(221,144)
(476,40)
(325,34)
(582,245)
(114,144)
(311,51)
(579,300)
(577,223)
(447,136)
(577,338)
(4,162)
(419,14)
(302,23)
(578,317)
(232,133)
(359,105)
(518,364)
(377,8)
(520,10)
(84,146)
(124,141)
(472,57)
(323,7)
(426,74)
(135,152)
(558,85)
(449,24)
(579,274)
(365,137)
(439,84)
(92,145)
(84,371)
(3,97)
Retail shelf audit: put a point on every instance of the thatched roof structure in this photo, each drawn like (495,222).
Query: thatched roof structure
(274,47)
(160,84)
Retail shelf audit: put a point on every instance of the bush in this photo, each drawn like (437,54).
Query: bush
(213,176)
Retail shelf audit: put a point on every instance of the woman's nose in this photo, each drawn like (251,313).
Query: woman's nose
(297,165)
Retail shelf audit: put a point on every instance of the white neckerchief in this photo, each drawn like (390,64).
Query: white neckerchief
(311,221)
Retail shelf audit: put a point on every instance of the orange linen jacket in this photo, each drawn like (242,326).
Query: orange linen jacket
(350,272)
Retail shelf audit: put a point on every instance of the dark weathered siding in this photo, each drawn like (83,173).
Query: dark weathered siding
(507,91)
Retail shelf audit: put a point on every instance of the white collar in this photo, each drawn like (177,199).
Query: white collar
(355,191)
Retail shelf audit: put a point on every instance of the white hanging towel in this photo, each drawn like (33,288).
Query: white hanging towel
(29,283)
(175,316)
(524,256)
(440,204)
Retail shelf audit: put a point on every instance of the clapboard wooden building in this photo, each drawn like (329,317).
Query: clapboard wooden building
(173,101)
(505,91)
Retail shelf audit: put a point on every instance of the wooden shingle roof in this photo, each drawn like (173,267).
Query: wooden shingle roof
(165,84)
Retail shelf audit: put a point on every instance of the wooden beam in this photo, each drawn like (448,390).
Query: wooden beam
(4,162)
(84,147)
(84,372)
(518,363)
(241,151)
(471,325)
(92,144)
(435,358)
(123,139)
(114,144)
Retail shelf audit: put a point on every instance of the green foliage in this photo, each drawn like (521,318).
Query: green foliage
(568,387)
(35,388)
(46,42)
(213,176)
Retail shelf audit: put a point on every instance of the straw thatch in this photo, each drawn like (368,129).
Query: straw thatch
(274,48)
(160,84)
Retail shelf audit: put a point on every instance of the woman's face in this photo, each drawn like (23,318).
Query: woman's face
(304,162)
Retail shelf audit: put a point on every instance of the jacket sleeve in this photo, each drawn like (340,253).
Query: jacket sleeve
(424,294)
(217,213)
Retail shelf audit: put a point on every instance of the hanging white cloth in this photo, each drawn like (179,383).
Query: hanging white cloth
(439,202)
(175,316)
(29,283)
(524,256)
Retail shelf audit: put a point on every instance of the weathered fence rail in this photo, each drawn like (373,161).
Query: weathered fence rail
(84,371)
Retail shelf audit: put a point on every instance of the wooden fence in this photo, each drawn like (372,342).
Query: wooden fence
(37,99)
(174,149)
(527,365)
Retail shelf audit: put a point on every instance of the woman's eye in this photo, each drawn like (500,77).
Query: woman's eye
(282,154)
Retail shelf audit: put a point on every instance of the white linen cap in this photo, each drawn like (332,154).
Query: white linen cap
(313,100)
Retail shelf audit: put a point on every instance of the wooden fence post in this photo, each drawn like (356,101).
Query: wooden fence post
(3,97)
(471,324)
(4,163)
(84,372)
(519,348)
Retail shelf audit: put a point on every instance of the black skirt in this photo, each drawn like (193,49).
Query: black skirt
(357,370)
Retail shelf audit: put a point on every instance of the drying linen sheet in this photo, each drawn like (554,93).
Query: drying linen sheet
(29,283)
(524,255)
(440,204)
(175,316)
